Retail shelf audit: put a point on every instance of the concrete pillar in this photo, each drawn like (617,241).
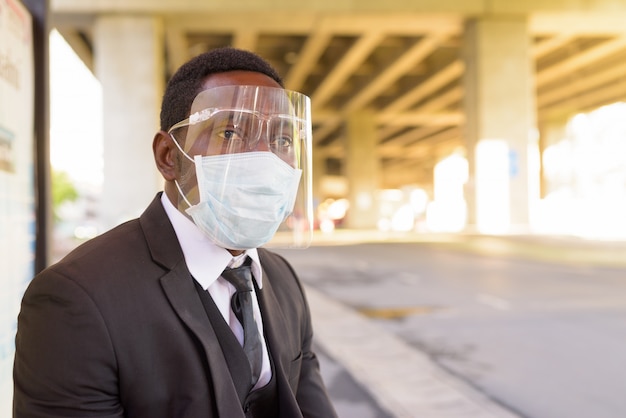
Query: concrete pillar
(129,64)
(319,171)
(362,170)
(501,124)
(552,132)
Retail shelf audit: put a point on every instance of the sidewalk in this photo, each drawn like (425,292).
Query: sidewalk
(401,379)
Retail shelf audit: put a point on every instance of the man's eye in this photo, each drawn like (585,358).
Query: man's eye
(230,135)
(282,142)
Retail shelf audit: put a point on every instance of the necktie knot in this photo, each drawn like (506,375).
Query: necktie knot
(240,277)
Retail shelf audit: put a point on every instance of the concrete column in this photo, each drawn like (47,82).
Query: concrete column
(129,64)
(501,124)
(319,171)
(362,171)
(552,132)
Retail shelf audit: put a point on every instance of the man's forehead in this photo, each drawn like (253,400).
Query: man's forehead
(239,78)
(259,98)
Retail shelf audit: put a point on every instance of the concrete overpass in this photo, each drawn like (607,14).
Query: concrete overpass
(396,85)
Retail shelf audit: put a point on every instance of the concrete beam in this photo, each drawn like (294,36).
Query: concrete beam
(452,72)
(410,59)
(421,119)
(581,60)
(313,49)
(610,75)
(203,6)
(357,54)
(79,45)
(468,7)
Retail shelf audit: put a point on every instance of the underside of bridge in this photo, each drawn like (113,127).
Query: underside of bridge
(404,65)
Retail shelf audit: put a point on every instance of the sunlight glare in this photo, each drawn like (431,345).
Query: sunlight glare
(492,186)
(75,115)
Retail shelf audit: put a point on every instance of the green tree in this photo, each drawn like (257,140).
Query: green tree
(63,190)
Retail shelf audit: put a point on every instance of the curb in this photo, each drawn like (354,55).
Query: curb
(400,378)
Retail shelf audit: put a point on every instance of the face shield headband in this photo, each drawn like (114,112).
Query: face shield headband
(244,141)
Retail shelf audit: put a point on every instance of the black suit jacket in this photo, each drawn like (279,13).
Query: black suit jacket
(117,329)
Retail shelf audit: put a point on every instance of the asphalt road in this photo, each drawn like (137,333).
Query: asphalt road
(545,340)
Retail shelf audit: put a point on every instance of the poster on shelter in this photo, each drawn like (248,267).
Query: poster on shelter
(17,191)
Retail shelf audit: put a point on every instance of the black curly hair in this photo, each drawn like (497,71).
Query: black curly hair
(187,81)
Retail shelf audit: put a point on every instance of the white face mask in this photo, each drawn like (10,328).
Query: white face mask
(243,197)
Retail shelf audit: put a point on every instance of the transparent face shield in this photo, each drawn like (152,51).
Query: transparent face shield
(228,121)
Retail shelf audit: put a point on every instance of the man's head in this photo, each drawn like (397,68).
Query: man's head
(189,79)
(234,148)
(218,67)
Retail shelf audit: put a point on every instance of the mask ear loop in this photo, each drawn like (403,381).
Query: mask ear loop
(179,148)
(180,191)
(182,194)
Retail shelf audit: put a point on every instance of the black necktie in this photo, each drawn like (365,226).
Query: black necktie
(241,303)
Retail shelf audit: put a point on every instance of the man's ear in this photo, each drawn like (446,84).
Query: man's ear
(164,152)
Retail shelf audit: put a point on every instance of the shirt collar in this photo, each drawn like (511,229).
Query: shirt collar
(204,259)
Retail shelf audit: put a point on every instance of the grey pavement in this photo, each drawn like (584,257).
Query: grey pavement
(397,379)
(350,398)
(401,380)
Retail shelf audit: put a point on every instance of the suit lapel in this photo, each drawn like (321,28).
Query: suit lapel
(277,336)
(182,295)
(178,286)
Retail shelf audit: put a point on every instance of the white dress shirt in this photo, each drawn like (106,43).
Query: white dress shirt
(206,262)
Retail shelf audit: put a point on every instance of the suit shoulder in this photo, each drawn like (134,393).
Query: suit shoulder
(116,240)
(110,255)
(271,260)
